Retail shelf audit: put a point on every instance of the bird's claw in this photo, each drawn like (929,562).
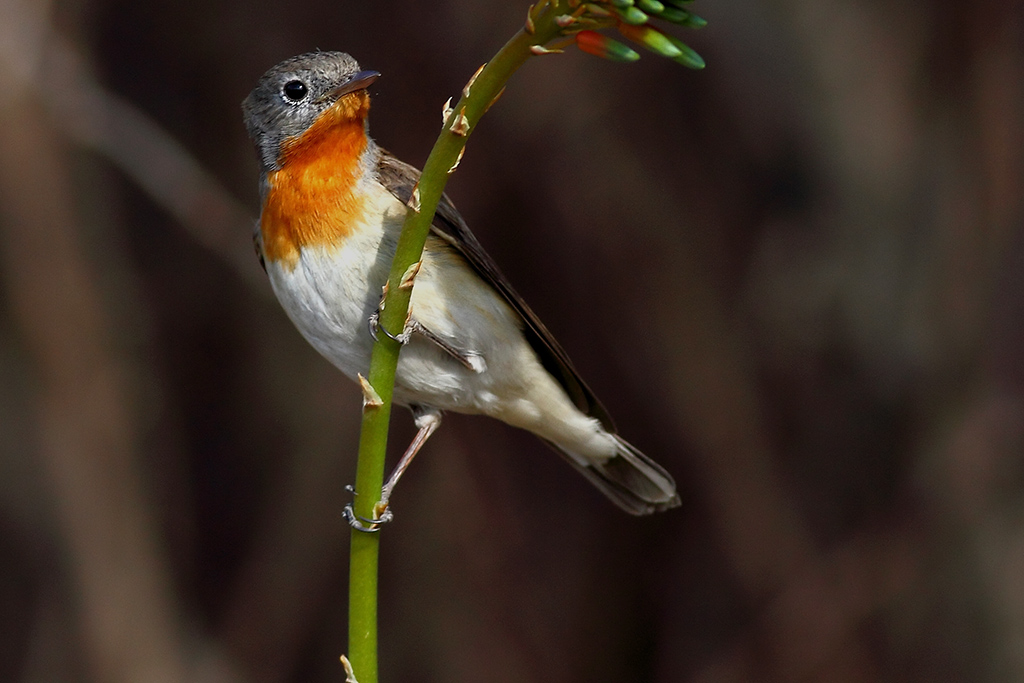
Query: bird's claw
(373,323)
(367,526)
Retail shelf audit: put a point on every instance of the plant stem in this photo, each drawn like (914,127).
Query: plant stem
(476,98)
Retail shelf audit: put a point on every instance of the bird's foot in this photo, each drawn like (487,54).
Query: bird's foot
(381,513)
(373,322)
(368,526)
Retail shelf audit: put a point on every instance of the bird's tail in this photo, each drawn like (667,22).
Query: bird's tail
(630,479)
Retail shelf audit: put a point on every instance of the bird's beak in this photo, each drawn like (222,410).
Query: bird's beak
(360,80)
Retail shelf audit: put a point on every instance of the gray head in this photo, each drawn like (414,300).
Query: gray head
(290,97)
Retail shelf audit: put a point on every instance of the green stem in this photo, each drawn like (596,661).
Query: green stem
(362,645)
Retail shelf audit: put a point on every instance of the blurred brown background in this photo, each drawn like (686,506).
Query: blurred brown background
(796,279)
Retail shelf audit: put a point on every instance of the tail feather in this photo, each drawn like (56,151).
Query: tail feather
(630,479)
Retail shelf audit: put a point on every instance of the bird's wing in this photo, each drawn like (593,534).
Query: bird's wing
(400,178)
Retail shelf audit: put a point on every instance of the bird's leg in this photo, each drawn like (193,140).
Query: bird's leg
(472,360)
(427,420)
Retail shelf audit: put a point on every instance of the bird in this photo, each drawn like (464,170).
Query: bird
(332,206)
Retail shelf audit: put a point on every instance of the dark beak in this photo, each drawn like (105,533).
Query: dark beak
(361,80)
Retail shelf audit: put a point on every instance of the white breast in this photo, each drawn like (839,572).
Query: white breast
(332,291)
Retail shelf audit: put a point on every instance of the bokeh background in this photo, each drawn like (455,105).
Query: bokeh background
(796,279)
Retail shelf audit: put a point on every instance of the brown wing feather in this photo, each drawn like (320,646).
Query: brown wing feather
(400,178)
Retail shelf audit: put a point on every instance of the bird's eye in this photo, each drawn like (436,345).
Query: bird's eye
(295,90)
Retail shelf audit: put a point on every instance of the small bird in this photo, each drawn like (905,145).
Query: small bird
(333,204)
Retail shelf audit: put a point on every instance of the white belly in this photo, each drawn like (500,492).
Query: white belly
(330,294)
(332,291)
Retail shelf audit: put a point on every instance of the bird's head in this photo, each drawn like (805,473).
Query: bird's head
(301,96)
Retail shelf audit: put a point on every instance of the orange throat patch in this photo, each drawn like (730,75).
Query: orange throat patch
(310,199)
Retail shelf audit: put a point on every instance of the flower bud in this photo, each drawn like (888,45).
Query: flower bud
(598,44)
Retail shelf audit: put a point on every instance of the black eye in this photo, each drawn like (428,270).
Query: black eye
(294,90)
